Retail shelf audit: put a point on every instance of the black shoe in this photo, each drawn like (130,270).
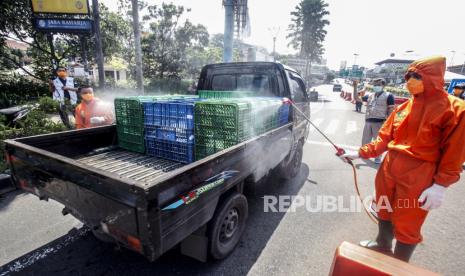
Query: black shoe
(404,251)
(383,242)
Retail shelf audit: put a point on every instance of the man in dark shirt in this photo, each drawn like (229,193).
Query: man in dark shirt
(459,91)
(379,105)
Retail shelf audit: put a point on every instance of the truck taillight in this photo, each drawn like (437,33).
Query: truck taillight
(133,242)
(23,184)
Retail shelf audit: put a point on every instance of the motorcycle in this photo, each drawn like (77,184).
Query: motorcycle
(15,113)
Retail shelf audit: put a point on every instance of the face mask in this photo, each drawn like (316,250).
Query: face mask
(87,97)
(62,74)
(415,86)
(377,89)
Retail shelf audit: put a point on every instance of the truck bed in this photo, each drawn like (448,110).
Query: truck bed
(135,166)
(154,201)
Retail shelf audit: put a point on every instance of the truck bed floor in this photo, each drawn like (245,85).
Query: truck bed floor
(131,165)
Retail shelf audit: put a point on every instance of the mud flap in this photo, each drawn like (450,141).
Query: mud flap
(196,245)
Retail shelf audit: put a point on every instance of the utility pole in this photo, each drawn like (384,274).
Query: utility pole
(228,30)
(135,25)
(98,45)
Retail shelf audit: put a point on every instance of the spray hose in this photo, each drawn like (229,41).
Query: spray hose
(339,152)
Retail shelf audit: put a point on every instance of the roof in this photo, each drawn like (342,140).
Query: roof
(12,44)
(448,76)
(392,60)
(453,67)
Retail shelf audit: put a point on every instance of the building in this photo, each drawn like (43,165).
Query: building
(393,64)
(248,52)
(316,70)
(390,69)
(458,69)
(13,44)
(19,46)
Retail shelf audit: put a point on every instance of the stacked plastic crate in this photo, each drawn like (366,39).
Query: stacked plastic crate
(169,129)
(220,124)
(212,94)
(223,121)
(265,114)
(130,122)
(130,119)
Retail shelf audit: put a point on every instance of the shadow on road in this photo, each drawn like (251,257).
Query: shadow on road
(367,163)
(85,255)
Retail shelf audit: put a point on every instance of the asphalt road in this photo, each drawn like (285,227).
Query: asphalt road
(37,240)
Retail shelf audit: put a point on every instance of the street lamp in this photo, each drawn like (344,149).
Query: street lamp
(452,59)
(274,32)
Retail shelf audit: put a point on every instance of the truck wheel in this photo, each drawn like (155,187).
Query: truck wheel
(289,169)
(227,225)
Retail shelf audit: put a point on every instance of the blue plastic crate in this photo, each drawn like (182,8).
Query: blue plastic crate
(171,150)
(178,114)
(283,115)
(170,133)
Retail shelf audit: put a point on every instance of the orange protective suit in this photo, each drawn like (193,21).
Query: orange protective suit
(95,108)
(425,139)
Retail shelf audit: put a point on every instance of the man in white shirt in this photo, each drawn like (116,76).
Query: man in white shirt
(65,94)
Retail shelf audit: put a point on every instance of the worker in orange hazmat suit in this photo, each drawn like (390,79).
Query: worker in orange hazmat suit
(91,111)
(424,138)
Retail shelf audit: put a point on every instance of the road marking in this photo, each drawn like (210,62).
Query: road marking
(332,127)
(351,127)
(317,123)
(329,145)
(37,255)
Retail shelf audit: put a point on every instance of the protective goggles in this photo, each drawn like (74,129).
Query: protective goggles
(412,75)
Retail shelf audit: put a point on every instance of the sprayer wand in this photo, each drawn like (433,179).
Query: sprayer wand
(339,152)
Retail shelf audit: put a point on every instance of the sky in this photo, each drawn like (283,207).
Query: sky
(373,29)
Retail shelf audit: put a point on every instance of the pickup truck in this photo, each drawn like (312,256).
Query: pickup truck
(151,205)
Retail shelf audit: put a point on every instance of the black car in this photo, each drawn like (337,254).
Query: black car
(337,88)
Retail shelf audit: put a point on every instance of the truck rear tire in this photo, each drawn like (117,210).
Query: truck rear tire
(289,169)
(227,225)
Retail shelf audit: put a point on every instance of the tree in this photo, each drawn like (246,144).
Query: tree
(307,30)
(167,41)
(16,24)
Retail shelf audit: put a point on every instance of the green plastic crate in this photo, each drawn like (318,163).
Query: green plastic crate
(220,125)
(264,114)
(212,94)
(223,123)
(130,122)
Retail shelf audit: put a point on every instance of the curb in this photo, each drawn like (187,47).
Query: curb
(6,185)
